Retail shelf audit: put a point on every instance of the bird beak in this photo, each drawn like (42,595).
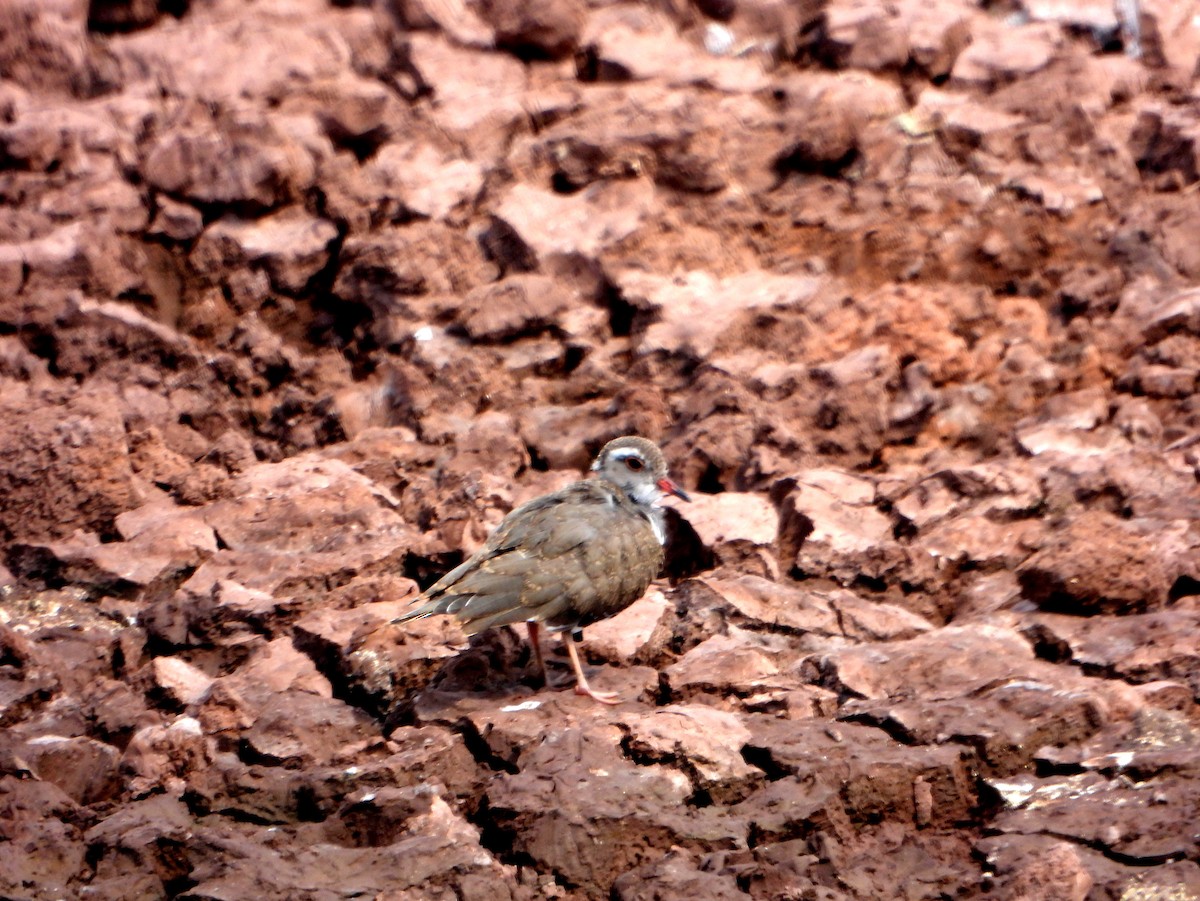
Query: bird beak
(670,487)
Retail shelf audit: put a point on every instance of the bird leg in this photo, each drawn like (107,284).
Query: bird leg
(581,686)
(534,643)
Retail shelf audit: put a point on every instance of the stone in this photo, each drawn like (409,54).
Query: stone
(298,728)
(732,524)
(178,682)
(517,305)
(998,55)
(480,95)
(1096,562)
(740,663)
(678,872)
(618,803)
(552,227)
(1140,648)
(232,161)
(829,526)
(165,757)
(706,743)
(291,246)
(85,769)
(535,30)
(695,314)
(44,458)
(638,634)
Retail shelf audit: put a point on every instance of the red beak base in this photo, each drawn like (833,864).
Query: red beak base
(670,487)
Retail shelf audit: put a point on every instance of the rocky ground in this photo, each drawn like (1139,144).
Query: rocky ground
(298,299)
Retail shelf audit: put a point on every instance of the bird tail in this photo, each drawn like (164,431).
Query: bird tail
(429,608)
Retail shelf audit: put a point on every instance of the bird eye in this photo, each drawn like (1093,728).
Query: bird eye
(634,463)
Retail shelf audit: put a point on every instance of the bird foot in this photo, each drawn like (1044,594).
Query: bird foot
(604,697)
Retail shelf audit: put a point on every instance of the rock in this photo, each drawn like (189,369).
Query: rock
(480,96)
(554,432)
(439,851)
(176,221)
(430,183)
(275,511)
(754,602)
(142,842)
(122,15)
(998,56)
(178,682)
(732,525)
(66,471)
(46,47)
(1045,864)
(1169,35)
(740,663)
(291,246)
(1167,313)
(85,769)
(165,758)
(297,728)
(1058,871)
(279,666)
(44,847)
(706,743)
(631,43)
(638,634)
(382,270)
(1096,562)
(1102,813)
(618,804)
(677,872)
(550,227)
(640,129)
(235,161)
(1001,492)
(380,664)
(83,560)
(830,526)
(860,36)
(1140,648)
(695,314)
(535,30)
(842,774)
(518,305)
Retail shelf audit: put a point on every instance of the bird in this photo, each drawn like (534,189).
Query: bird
(567,559)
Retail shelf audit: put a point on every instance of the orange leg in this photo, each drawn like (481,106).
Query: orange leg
(581,686)
(537,651)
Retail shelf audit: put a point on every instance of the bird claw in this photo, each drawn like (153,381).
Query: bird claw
(604,697)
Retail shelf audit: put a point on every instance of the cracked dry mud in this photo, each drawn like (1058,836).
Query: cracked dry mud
(298,298)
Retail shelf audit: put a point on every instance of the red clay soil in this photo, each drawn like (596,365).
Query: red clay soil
(299,298)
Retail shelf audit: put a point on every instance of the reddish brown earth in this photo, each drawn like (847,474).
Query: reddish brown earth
(299,298)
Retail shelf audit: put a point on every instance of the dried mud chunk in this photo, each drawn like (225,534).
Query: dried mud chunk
(534,29)
(1097,563)
(64,471)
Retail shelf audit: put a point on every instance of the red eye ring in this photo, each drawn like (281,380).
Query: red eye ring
(634,463)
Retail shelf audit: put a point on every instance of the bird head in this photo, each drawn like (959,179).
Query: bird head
(637,467)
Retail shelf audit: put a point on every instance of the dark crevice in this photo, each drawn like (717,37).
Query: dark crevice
(765,761)
(498,839)
(621,313)
(481,751)
(710,481)
(427,570)
(1046,645)
(1184,586)
(537,462)
(889,727)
